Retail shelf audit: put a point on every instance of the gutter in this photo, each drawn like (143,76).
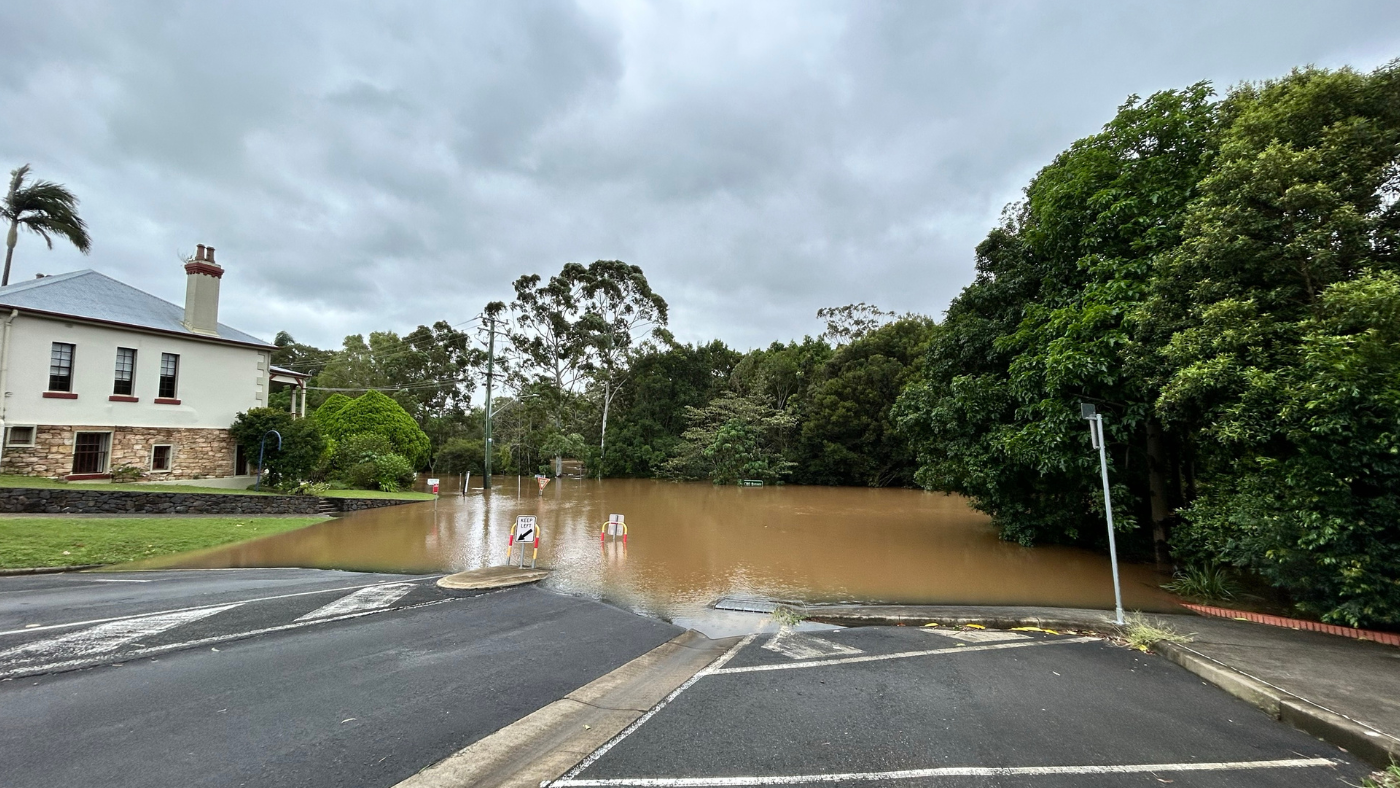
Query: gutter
(5,377)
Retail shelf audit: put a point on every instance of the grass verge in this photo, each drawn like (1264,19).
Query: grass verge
(407,495)
(71,541)
(39,482)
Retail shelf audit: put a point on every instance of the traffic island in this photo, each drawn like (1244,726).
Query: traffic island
(492,577)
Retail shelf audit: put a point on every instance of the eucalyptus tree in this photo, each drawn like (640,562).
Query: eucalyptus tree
(621,315)
(43,208)
(548,347)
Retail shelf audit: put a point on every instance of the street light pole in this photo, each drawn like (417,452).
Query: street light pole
(262,446)
(1095,418)
(490,368)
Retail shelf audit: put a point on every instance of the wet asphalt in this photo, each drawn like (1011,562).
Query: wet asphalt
(1046,701)
(363,701)
(255,694)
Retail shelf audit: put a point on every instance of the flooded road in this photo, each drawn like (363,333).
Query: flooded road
(690,544)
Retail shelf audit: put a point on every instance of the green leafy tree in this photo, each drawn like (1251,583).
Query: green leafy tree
(621,314)
(1048,323)
(302,443)
(376,413)
(651,410)
(848,435)
(43,208)
(732,438)
(548,346)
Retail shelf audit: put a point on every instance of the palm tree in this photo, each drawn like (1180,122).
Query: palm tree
(41,207)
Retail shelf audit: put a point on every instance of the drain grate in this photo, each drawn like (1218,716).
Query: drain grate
(742,605)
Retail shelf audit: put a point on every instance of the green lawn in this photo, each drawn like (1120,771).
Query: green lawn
(407,495)
(39,481)
(72,541)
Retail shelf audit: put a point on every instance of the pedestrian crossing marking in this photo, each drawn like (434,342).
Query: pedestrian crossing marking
(365,599)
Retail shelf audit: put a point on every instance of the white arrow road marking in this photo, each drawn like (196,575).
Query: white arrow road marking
(364,599)
(801,645)
(947,771)
(106,637)
(975,636)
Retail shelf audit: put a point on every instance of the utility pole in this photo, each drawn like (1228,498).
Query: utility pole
(1096,438)
(490,368)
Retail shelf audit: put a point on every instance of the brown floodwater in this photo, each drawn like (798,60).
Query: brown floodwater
(690,544)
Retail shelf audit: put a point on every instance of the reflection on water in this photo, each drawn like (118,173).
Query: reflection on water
(690,544)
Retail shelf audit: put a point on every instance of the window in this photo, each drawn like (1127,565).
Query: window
(90,452)
(126,371)
(169,372)
(19,436)
(61,367)
(160,458)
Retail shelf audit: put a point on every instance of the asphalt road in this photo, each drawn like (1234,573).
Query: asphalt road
(873,706)
(279,677)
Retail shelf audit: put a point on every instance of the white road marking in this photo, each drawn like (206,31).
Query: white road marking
(801,645)
(708,670)
(148,651)
(817,663)
(108,580)
(105,637)
(364,599)
(947,771)
(976,636)
(72,624)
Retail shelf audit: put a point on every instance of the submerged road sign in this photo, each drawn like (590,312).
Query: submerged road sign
(614,527)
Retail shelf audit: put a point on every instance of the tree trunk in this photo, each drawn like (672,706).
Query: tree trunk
(10,241)
(603,440)
(1160,475)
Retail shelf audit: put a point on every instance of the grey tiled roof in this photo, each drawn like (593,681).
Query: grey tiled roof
(88,294)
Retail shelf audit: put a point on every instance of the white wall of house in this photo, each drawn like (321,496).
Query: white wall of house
(216,380)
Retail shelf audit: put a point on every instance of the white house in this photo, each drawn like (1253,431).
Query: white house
(98,374)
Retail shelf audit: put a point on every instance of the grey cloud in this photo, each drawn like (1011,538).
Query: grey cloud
(363,168)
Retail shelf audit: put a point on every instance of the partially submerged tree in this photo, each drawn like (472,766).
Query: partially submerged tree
(43,208)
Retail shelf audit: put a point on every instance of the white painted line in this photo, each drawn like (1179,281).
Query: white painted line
(949,771)
(801,645)
(818,663)
(105,637)
(709,670)
(152,650)
(365,599)
(72,624)
(108,580)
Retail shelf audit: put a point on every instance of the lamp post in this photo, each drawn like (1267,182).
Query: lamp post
(262,446)
(1095,419)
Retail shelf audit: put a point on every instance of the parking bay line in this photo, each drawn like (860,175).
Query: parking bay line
(946,771)
(817,663)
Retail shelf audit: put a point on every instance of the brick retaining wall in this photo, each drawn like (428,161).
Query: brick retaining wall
(16,500)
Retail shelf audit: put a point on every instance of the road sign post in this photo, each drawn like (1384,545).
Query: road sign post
(1095,419)
(433,485)
(526,533)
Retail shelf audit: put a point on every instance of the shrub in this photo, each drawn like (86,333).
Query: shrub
(461,455)
(376,413)
(386,472)
(356,449)
(1205,583)
(126,473)
(302,443)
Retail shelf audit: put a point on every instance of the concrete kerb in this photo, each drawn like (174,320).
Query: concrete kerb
(545,744)
(1375,747)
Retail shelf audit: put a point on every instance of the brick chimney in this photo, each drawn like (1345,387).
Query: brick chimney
(202,276)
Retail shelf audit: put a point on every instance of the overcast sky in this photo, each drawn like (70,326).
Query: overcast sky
(387,165)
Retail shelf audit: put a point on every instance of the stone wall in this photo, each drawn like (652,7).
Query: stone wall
(196,454)
(94,500)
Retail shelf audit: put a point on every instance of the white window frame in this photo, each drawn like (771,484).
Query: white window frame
(33,436)
(107,461)
(169,459)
